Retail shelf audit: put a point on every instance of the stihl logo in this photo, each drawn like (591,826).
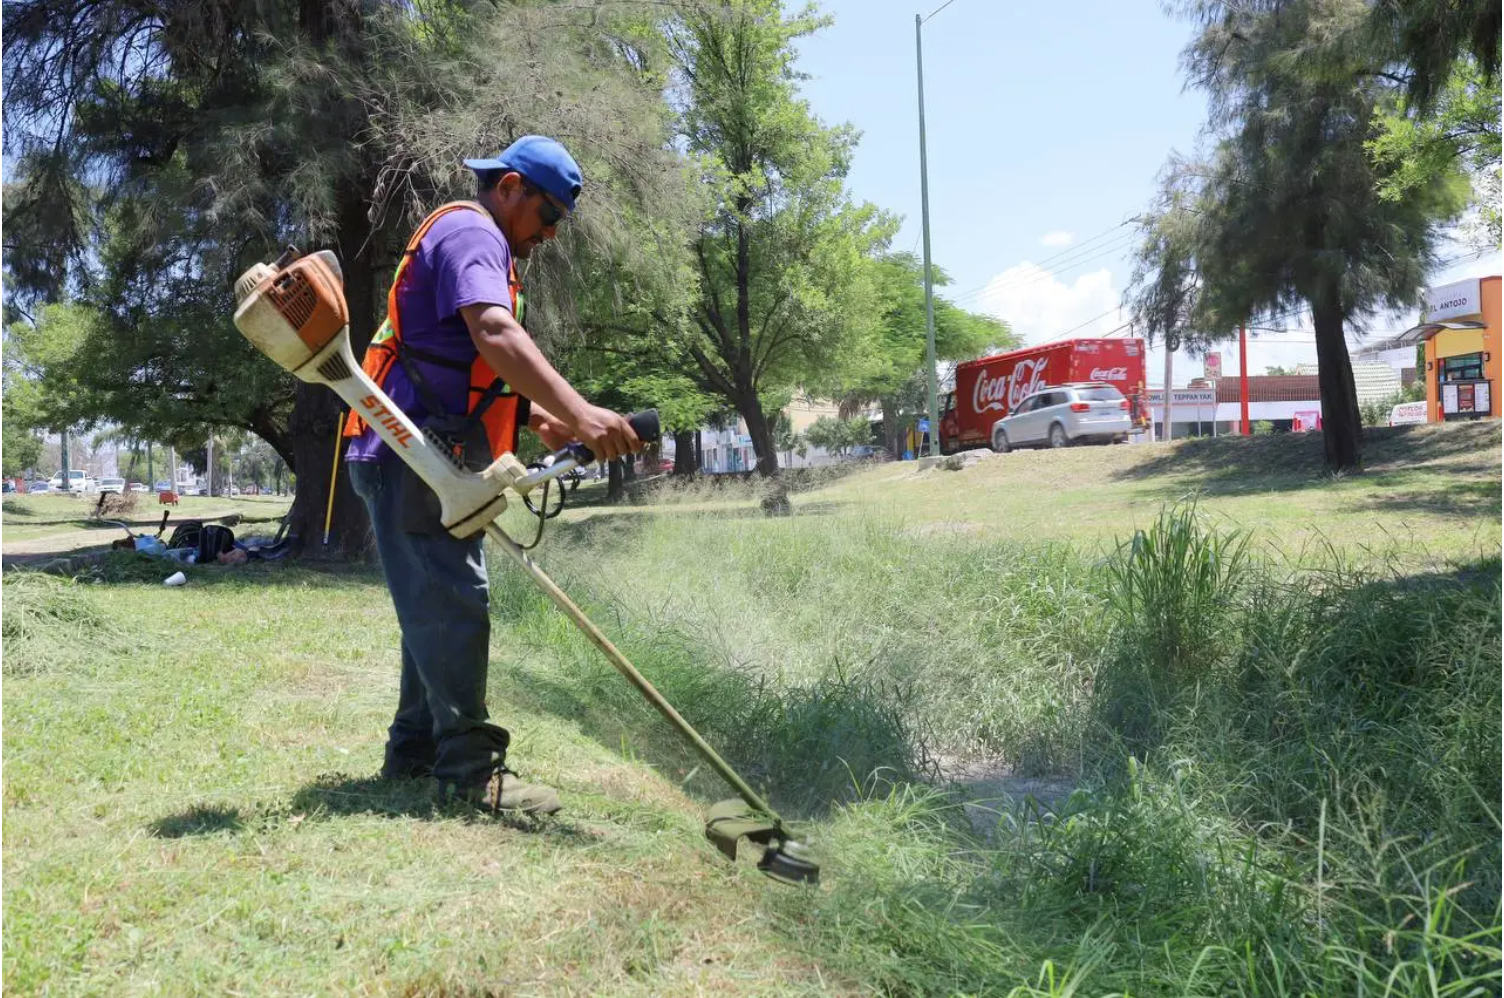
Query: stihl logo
(1109,374)
(1026,378)
(378,413)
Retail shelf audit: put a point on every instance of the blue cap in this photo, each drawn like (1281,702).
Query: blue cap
(541,160)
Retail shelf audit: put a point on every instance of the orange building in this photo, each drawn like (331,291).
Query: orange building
(1460,328)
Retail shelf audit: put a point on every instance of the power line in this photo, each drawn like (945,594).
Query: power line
(1042,273)
(1047,261)
(1087,323)
(938,9)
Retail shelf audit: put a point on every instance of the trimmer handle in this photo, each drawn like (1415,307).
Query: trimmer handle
(644,424)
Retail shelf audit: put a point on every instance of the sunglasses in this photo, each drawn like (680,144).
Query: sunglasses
(549,213)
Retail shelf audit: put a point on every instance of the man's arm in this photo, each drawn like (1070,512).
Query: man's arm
(514,356)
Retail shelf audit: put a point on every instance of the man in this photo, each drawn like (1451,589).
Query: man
(454,355)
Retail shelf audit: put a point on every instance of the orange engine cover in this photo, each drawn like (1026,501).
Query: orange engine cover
(309,296)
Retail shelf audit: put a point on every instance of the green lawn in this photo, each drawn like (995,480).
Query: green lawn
(31,518)
(189,805)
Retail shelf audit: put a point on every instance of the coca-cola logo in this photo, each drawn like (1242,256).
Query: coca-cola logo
(1109,374)
(1026,378)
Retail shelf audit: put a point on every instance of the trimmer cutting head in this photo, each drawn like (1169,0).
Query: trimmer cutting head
(784,859)
(789,862)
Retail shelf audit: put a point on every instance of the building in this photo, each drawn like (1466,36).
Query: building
(1460,329)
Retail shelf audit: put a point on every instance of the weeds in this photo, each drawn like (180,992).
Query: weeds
(1288,771)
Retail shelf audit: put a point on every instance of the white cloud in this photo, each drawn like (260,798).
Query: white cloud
(1040,307)
(1058,238)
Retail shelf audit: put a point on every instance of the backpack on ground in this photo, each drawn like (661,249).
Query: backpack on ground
(209,540)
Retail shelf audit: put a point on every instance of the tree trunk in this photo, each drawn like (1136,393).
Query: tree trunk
(613,481)
(684,453)
(628,468)
(760,429)
(699,449)
(1341,422)
(316,414)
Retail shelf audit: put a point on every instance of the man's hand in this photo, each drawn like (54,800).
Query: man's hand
(606,433)
(552,430)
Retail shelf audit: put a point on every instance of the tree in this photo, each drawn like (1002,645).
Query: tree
(839,436)
(892,366)
(163,146)
(1275,371)
(1285,213)
(22,448)
(787,440)
(1428,38)
(1458,123)
(827,434)
(784,298)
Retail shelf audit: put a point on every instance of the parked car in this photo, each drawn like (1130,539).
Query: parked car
(135,487)
(114,486)
(1061,415)
(78,481)
(7,486)
(163,486)
(38,487)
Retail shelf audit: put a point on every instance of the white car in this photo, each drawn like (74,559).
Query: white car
(136,487)
(78,481)
(112,485)
(1061,415)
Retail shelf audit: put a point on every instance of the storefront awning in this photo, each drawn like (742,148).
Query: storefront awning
(1417,334)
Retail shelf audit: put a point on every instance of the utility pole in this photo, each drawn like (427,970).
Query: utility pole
(209,470)
(63,453)
(924,212)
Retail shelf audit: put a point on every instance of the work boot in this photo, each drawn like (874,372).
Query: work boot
(505,791)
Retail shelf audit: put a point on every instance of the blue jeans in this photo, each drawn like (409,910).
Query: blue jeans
(440,590)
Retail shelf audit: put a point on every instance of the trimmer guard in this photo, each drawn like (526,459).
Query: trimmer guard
(735,819)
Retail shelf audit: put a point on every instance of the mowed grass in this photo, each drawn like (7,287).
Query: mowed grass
(1428,493)
(1286,748)
(35,517)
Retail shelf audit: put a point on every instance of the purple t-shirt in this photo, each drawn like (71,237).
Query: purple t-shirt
(463,259)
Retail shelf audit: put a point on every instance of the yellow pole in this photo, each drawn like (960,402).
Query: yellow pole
(339,438)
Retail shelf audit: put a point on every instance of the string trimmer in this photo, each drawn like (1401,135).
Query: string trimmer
(296,314)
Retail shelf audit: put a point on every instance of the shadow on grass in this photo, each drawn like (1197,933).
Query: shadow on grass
(338,795)
(200,819)
(1284,462)
(1466,498)
(131,568)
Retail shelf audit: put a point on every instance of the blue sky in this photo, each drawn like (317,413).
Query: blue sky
(1046,125)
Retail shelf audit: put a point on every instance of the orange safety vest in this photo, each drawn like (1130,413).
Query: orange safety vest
(489,401)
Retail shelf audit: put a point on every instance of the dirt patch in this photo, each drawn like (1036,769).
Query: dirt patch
(990,789)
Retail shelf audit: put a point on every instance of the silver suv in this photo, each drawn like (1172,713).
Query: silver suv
(1088,412)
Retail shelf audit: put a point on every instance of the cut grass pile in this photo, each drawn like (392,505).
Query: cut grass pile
(1288,768)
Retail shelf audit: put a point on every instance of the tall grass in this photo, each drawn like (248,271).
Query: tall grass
(1288,779)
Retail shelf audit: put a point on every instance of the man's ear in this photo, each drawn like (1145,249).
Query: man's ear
(510,182)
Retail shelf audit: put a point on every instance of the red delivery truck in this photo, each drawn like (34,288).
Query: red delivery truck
(988,388)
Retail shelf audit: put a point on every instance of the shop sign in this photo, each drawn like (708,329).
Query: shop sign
(1452,300)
